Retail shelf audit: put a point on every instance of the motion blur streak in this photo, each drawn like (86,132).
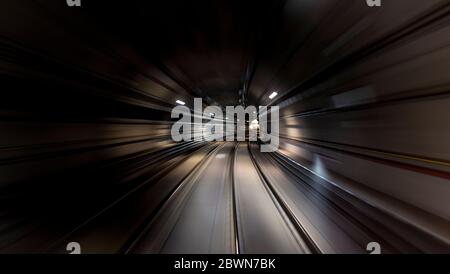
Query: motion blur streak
(86,153)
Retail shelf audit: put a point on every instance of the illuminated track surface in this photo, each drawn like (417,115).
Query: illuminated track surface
(214,212)
(230,198)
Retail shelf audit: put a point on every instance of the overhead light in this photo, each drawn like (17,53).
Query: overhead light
(254,124)
(180,102)
(273,95)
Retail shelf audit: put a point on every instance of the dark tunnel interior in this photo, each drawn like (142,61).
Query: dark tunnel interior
(87,150)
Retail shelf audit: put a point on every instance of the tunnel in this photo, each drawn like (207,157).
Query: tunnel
(337,140)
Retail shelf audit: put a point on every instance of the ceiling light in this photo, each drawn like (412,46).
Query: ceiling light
(180,102)
(254,124)
(273,95)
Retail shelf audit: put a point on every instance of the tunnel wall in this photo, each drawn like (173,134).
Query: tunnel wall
(374,106)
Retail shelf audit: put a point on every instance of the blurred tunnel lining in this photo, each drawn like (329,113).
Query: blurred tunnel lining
(86,153)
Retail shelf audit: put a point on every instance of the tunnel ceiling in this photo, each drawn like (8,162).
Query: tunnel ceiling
(154,52)
(214,49)
(221,51)
(204,46)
